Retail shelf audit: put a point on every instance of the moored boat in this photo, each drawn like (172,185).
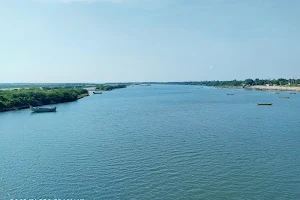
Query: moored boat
(284,97)
(264,104)
(293,93)
(97,92)
(40,110)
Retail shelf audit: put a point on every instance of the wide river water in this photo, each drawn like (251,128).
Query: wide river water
(158,142)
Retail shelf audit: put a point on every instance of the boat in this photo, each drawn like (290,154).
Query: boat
(229,94)
(284,97)
(40,110)
(97,92)
(292,92)
(264,104)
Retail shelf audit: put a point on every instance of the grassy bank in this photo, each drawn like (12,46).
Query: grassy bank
(19,99)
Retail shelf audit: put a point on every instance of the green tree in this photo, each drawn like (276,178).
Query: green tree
(249,82)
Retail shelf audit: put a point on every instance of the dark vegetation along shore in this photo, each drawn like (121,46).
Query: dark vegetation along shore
(106,87)
(19,99)
(19,96)
(46,86)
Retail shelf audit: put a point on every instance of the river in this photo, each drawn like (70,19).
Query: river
(157,142)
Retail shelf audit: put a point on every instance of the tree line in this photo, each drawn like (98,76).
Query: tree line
(47,86)
(16,99)
(106,87)
(239,83)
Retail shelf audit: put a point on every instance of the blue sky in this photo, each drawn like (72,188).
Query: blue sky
(148,40)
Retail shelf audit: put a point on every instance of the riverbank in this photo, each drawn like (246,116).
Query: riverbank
(277,88)
(109,87)
(20,99)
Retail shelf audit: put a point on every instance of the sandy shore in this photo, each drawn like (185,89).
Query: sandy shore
(282,88)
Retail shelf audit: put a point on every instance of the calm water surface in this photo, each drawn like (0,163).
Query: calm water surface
(158,142)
